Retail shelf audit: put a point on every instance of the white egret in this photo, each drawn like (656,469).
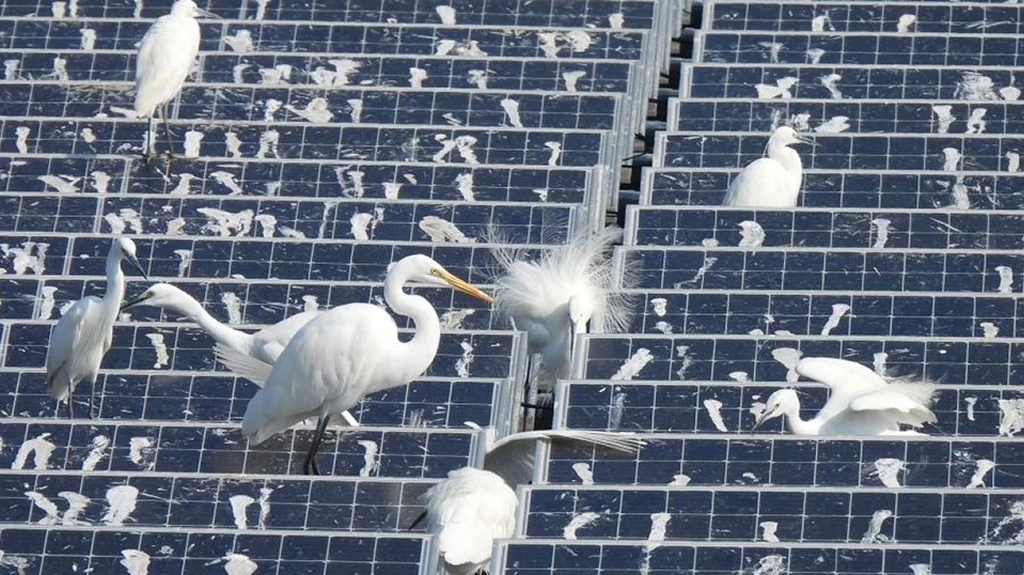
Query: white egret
(84,333)
(348,352)
(861,402)
(569,290)
(165,59)
(772,182)
(472,507)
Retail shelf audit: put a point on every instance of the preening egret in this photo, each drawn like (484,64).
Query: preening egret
(861,402)
(569,290)
(772,182)
(472,507)
(348,352)
(84,333)
(165,59)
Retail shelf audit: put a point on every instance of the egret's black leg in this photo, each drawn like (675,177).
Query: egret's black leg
(167,131)
(309,465)
(418,519)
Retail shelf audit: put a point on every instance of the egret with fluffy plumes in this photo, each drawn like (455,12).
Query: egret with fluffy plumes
(264,345)
(84,333)
(166,54)
(348,352)
(569,290)
(471,508)
(774,181)
(861,402)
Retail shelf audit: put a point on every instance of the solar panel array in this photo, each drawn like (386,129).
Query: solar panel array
(326,140)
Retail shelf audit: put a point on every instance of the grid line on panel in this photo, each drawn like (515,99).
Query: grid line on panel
(848,189)
(850,82)
(716,357)
(885,49)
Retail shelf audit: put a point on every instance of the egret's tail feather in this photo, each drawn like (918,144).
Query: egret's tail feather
(243,365)
(466,545)
(59,386)
(618,441)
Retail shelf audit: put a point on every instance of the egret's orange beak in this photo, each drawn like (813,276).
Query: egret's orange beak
(465,287)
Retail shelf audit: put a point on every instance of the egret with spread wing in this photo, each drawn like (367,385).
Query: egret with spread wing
(861,402)
(472,507)
(84,333)
(348,352)
(773,181)
(569,290)
(165,59)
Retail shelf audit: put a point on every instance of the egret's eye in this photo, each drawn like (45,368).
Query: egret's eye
(435,272)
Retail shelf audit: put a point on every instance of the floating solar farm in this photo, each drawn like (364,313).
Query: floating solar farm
(320,143)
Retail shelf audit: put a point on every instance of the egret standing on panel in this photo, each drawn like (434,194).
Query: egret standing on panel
(84,333)
(772,182)
(348,352)
(165,59)
(861,401)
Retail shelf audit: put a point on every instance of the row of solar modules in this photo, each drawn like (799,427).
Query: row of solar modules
(536,557)
(688,310)
(854,189)
(844,17)
(886,49)
(762,80)
(388,220)
(303,179)
(390,506)
(575,13)
(143,449)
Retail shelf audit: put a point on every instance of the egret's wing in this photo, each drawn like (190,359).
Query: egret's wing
(77,330)
(467,512)
(512,456)
(165,58)
(270,341)
(243,365)
(846,379)
(908,402)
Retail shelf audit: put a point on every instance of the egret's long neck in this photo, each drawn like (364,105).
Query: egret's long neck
(789,158)
(115,285)
(415,355)
(797,425)
(227,336)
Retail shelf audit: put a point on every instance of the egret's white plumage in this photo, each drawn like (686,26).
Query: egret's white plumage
(569,290)
(472,507)
(165,59)
(84,333)
(348,352)
(772,182)
(265,345)
(861,402)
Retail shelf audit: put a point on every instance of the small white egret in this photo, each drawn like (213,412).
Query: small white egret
(165,59)
(348,352)
(772,182)
(472,507)
(861,402)
(569,290)
(84,333)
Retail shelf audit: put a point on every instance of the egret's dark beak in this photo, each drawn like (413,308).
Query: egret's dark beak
(572,339)
(758,423)
(135,262)
(134,302)
(806,140)
(205,14)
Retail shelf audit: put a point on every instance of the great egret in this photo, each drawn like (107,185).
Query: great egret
(472,507)
(84,333)
(165,59)
(265,345)
(348,352)
(772,182)
(861,402)
(566,292)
